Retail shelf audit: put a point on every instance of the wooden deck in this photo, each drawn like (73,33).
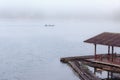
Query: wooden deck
(103,64)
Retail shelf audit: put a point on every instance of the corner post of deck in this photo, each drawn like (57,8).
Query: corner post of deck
(95,52)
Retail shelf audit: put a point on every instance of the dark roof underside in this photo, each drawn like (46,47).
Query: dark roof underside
(106,38)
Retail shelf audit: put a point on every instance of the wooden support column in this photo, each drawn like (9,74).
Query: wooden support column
(108,53)
(95,69)
(111,75)
(112,52)
(108,50)
(95,51)
(108,75)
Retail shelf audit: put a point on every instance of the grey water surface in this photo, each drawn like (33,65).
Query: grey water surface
(29,50)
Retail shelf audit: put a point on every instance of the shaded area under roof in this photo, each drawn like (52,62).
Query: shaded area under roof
(106,38)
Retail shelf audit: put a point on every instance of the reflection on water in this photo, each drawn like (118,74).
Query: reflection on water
(31,51)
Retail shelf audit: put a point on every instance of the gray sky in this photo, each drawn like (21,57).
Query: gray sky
(59,8)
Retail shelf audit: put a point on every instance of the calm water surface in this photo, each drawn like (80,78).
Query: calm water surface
(29,50)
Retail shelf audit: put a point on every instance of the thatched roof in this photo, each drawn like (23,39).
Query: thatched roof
(106,38)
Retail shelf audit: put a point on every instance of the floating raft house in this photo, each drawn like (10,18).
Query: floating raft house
(109,61)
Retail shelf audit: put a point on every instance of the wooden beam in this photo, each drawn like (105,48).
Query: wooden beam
(79,58)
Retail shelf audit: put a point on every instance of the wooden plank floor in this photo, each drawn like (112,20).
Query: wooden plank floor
(103,65)
(106,63)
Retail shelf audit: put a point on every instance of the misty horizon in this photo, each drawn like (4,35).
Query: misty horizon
(32,14)
(108,9)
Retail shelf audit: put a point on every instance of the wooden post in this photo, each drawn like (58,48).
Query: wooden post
(108,53)
(111,75)
(108,50)
(108,75)
(95,70)
(95,51)
(112,52)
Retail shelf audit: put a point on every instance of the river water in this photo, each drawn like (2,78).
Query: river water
(30,50)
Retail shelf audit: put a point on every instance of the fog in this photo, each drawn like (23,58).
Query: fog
(42,9)
(30,50)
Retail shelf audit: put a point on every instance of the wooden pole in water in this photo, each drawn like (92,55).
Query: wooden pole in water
(111,75)
(108,75)
(95,70)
